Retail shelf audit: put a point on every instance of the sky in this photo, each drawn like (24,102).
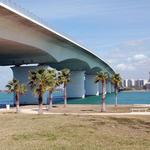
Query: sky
(118,31)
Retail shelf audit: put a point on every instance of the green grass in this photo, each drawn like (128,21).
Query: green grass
(51,132)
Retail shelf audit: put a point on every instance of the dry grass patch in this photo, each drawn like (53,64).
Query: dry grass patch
(51,132)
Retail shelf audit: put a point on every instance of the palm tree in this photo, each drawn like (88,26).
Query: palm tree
(102,76)
(64,78)
(52,83)
(116,80)
(38,83)
(14,86)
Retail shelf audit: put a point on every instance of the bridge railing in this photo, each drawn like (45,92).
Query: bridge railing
(24,11)
(17,7)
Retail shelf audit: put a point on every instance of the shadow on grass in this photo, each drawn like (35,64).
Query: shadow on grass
(131,121)
(87,110)
(34,136)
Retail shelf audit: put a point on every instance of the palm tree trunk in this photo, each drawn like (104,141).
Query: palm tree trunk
(103,109)
(40,98)
(50,100)
(65,95)
(17,102)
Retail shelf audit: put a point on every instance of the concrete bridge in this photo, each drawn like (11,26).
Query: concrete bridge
(24,40)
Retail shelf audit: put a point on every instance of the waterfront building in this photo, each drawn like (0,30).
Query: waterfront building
(128,83)
(147,85)
(131,83)
(124,83)
(140,83)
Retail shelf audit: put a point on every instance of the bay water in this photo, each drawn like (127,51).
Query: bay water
(125,98)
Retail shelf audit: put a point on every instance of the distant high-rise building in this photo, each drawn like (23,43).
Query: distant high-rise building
(124,83)
(139,83)
(149,77)
(148,83)
(129,82)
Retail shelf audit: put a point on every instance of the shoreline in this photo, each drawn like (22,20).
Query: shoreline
(136,91)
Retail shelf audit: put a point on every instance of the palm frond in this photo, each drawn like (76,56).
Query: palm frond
(116,80)
(16,87)
(101,76)
(64,76)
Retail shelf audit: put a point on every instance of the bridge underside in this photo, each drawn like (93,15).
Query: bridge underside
(82,75)
(13,53)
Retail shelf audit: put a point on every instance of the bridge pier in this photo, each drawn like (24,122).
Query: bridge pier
(112,88)
(21,74)
(108,87)
(91,88)
(75,88)
(100,87)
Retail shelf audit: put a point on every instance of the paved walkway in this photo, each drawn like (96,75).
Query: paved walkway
(29,111)
(80,110)
(35,111)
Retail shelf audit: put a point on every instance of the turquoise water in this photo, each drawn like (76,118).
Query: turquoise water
(123,98)
(6,98)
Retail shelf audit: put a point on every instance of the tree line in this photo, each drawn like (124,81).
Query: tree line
(43,80)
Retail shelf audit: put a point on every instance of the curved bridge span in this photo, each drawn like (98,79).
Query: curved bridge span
(24,40)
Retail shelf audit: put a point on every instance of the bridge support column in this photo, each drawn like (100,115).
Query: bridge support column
(21,74)
(112,88)
(75,88)
(108,87)
(100,87)
(91,88)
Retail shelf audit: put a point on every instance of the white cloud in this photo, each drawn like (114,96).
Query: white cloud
(121,66)
(124,67)
(139,57)
(131,60)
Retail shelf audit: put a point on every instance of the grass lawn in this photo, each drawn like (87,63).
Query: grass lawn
(61,132)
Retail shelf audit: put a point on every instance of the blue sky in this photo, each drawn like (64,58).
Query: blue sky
(116,30)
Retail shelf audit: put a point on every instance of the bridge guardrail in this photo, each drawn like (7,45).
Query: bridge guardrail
(24,11)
